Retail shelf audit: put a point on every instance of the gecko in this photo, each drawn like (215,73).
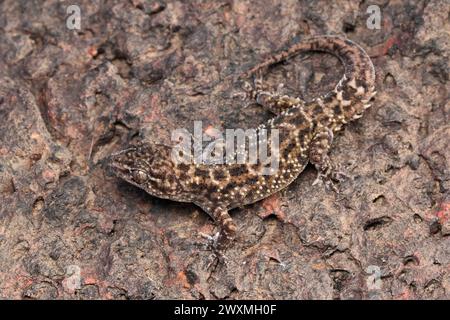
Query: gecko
(306,131)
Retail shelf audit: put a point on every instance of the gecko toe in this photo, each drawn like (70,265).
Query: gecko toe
(211,241)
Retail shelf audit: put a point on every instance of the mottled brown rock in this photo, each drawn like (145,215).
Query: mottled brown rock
(140,69)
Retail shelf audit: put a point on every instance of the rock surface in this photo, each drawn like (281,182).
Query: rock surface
(140,69)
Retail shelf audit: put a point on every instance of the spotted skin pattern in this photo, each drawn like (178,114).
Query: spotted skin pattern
(306,131)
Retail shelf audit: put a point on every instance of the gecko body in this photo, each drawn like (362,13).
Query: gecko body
(306,131)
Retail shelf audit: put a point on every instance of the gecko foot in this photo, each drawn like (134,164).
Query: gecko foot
(248,95)
(330,178)
(251,91)
(211,240)
(217,252)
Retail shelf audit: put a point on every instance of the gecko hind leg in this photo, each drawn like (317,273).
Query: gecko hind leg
(318,155)
(251,90)
(274,102)
(277,103)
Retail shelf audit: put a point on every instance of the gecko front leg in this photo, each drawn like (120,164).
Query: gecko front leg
(227,229)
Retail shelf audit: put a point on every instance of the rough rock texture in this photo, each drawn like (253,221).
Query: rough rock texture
(138,70)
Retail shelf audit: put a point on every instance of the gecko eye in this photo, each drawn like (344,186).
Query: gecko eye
(140,176)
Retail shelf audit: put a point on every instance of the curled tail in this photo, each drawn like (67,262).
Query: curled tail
(357,86)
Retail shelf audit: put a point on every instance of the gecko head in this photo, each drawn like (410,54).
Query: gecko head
(147,166)
(133,164)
